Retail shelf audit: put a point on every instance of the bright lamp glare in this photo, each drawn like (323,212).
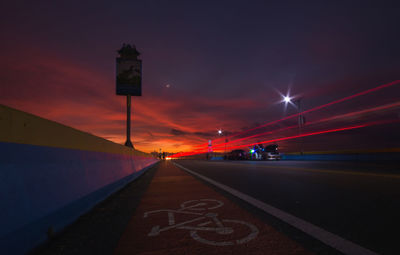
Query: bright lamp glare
(286,99)
(219,131)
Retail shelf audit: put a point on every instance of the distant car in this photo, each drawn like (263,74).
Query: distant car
(237,155)
(271,152)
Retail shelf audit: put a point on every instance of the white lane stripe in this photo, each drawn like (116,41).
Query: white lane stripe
(318,233)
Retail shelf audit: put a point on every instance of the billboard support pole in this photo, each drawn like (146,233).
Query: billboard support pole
(128,122)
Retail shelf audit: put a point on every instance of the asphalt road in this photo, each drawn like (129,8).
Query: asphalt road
(358,201)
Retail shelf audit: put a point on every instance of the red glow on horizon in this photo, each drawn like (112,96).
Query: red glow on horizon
(318,133)
(295,136)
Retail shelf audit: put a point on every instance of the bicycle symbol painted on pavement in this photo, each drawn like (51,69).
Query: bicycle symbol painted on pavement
(204,221)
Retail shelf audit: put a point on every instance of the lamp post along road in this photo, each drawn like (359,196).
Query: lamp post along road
(226,139)
(301,122)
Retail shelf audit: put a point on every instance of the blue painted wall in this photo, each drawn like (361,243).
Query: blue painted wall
(42,187)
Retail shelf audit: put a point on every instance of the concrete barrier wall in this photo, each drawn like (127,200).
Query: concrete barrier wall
(50,174)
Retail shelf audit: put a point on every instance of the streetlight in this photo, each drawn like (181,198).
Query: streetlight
(210,149)
(219,133)
(226,139)
(301,120)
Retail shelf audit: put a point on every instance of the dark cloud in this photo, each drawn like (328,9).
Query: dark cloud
(178,132)
(205,135)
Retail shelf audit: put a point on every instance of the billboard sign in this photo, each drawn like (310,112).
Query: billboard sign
(129,72)
(129,77)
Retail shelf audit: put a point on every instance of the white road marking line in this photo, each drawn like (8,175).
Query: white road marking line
(330,239)
(171,219)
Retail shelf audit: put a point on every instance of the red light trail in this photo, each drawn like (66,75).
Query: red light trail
(346,115)
(312,109)
(319,132)
(295,136)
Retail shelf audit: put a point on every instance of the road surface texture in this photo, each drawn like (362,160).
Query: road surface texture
(169,211)
(356,201)
(180,215)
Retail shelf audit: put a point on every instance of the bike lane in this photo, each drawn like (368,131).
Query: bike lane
(178,214)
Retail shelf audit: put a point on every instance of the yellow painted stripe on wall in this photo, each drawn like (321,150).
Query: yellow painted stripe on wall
(24,128)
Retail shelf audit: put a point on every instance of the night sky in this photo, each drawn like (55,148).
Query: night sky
(207,65)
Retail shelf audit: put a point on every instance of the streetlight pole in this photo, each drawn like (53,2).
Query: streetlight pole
(226,141)
(219,133)
(301,119)
(300,122)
